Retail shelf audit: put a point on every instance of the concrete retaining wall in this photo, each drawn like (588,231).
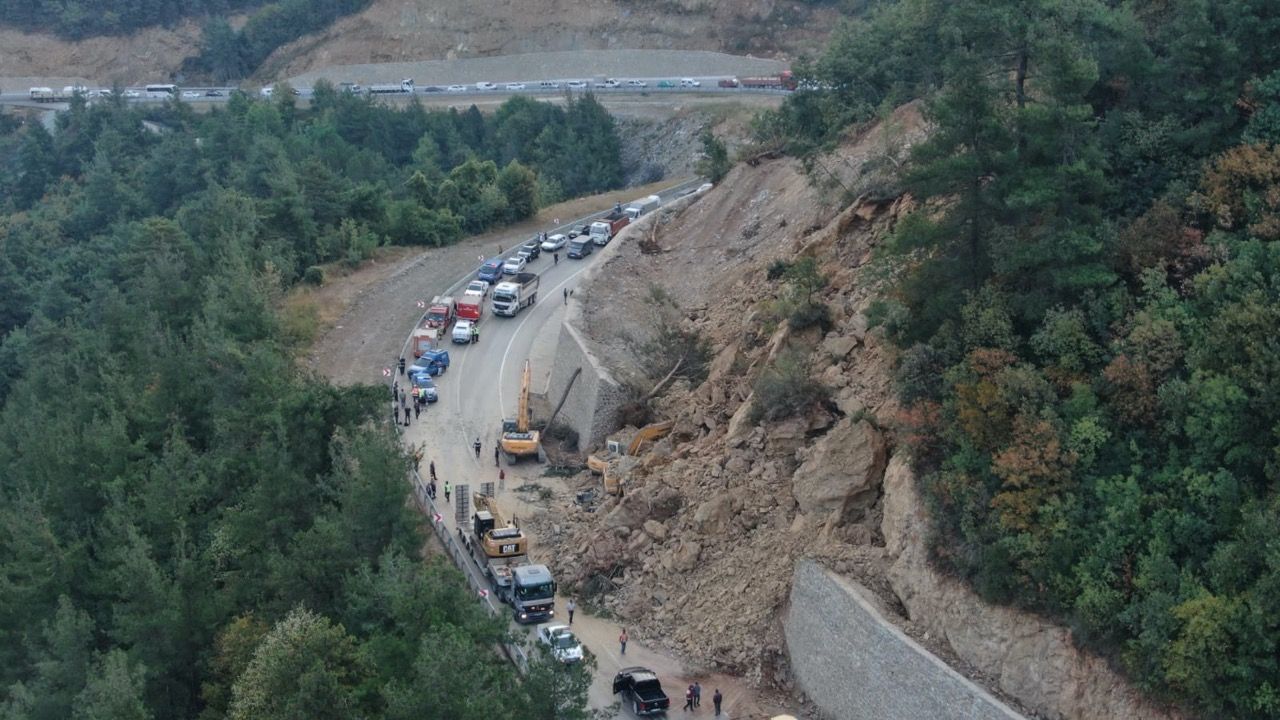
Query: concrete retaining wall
(854,664)
(593,404)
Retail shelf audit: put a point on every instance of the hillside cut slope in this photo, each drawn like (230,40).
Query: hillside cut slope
(700,550)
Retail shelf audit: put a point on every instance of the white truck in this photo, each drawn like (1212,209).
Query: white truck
(404,87)
(509,298)
(43,94)
(643,206)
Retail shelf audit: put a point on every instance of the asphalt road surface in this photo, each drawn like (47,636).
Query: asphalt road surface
(481,387)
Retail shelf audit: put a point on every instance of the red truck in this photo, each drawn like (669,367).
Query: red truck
(603,230)
(470,307)
(440,313)
(782,81)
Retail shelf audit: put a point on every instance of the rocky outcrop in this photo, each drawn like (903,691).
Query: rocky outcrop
(841,472)
(1029,658)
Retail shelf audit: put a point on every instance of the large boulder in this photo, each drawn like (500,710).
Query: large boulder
(842,471)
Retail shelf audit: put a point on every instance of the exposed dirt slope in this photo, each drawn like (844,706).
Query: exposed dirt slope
(699,552)
(149,55)
(400,30)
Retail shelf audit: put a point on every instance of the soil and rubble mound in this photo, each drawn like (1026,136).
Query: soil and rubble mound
(698,552)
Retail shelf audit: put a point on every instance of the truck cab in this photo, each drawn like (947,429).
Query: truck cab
(533,594)
(441,312)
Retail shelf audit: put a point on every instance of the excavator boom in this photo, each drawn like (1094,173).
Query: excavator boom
(521,441)
(522,414)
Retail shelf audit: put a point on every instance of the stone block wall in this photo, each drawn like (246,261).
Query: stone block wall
(855,665)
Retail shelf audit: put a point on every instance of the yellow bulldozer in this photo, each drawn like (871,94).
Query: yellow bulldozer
(518,440)
(608,462)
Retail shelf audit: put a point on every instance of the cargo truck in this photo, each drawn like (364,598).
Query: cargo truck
(509,298)
(500,549)
(441,312)
(470,307)
(643,206)
(602,231)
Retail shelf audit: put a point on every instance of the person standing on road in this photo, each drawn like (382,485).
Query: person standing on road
(566,296)
(497,452)
(406,417)
(571,607)
(475,334)
(417,409)
(556,257)
(447,489)
(716,700)
(622,640)
(697,694)
(502,478)
(432,467)
(476,445)
(688,699)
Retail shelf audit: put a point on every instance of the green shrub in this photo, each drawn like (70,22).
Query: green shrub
(785,388)
(314,275)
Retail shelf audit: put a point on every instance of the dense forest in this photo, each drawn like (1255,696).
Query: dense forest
(191,526)
(1088,309)
(225,53)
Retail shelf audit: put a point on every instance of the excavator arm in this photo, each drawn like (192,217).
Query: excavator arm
(522,413)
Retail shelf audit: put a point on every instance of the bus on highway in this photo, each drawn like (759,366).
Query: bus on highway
(162,91)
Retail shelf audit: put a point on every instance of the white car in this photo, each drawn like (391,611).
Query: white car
(611,83)
(554,242)
(548,84)
(636,83)
(132,94)
(576,85)
(267,91)
(479,288)
(486,86)
(513,265)
(690,82)
(461,332)
(515,86)
(559,638)
(191,95)
(457,88)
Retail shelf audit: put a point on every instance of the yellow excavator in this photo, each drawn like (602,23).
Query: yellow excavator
(518,440)
(606,463)
(497,537)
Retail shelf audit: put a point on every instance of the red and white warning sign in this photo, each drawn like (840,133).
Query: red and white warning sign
(422,303)
(386,372)
(436,517)
(484,593)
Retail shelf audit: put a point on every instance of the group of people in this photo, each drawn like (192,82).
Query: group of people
(693,698)
(400,407)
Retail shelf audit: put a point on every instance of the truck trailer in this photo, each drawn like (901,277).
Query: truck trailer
(509,298)
(643,206)
(602,231)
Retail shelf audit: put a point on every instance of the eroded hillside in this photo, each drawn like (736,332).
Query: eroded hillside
(699,551)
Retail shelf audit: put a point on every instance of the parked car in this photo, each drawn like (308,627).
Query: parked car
(559,638)
(486,86)
(426,386)
(573,234)
(213,93)
(267,91)
(515,86)
(610,83)
(457,88)
(576,85)
(433,88)
(637,83)
(477,287)
(132,94)
(533,247)
(513,265)
(549,85)
(666,83)
(554,243)
(190,94)
(690,82)
(642,687)
(585,229)
(432,362)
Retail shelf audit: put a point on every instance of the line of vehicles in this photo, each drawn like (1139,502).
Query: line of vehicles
(497,544)
(163,91)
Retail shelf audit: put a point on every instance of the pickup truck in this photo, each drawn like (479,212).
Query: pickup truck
(642,688)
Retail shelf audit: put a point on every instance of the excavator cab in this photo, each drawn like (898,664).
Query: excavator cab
(518,439)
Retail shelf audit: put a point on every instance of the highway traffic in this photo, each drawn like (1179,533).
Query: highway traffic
(43,96)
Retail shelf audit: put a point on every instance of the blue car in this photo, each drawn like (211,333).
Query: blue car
(426,386)
(491,270)
(432,362)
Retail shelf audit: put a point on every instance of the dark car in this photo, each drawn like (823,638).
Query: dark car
(580,247)
(533,247)
(573,234)
(641,686)
(421,379)
(585,229)
(433,88)
(213,93)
